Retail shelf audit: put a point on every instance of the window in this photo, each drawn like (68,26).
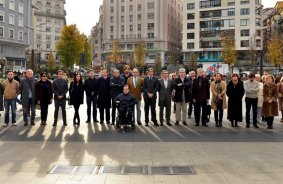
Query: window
(232,3)
(122,28)
(190,16)
(210,4)
(111,1)
(245,43)
(48,20)
(57,30)
(21,8)
(150,16)
(231,22)
(191,26)
(139,27)
(48,29)
(48,37)
(38,36)
(11,5)
(122,8)
(48,3)
(131,27)
(111,19)
(57,38)
(190,35)
(131,18)
(58,22)
(231,12)
(245,32)
(131,8)
(150,45)
(139,7)
(111,28)
(245,22)
(38,19)
(21,22)
(2,3)
(11,33)
(1,16)
(257,22)
(150,5)
(245,1)
(150,35)
(111,9)
(150,26)
(11,19)
(190,45)
(245,11)
(21,35)
(1,32)
(48,46)
(139,17)
(191,6)
(122,18)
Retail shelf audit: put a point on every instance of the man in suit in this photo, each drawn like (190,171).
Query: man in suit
(165,93)
(116,85)
(104,98)
(60,89)
(27,88)
(191,78)
(135,87)
(201,95)
(150,87)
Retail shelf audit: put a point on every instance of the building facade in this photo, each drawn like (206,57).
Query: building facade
(15,33)
(156,22)
(207,22)
(49,18)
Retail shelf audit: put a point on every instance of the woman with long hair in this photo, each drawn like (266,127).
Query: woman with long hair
(43,96)
(76,92)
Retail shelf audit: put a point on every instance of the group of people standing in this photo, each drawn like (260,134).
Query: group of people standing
(186,92)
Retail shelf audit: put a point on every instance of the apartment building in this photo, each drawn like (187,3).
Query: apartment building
(157,22)
(49,18)
(15,32)
(207,22)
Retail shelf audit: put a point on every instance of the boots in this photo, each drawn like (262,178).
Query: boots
(236,124)
(232,123)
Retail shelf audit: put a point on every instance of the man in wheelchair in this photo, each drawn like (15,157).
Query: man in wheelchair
(125,105)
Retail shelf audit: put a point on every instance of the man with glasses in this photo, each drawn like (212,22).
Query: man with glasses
(11,91)
(60,89)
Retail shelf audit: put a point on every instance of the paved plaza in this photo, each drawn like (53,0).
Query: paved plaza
(217,155)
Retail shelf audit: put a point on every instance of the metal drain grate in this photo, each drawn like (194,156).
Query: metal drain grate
(141,170)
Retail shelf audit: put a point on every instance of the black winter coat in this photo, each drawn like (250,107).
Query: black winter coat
(235,95)
(186,85)
(90,86)
(76,93)
(104,98)
(116,85)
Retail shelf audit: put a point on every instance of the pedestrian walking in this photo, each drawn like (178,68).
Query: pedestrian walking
(60,89)
(104,98)
(135,86)
(27,89)
(235,92)
(164,97)
(43,96)
(11,91)
(251,87)
(116,86)
(150,88)
(76,92)
(218,101)
(181,94)
(270,104)
(201,96)
(91,90)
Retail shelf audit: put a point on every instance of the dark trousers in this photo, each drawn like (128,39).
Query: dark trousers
(125,116)
(26,109)
(251,103)
(190,108)
(114,107)
(167,106)
(101,112)
(269,121)
(200,107)
(152,103)
(77,115)
(60,103)
(218,113)
(91,100)
(43,110)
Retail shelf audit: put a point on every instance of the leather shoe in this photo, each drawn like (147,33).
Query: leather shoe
(255,126)
(65,124)
(205,125)
(169,124)
(177,123)
(54,124)
(26,124)
(185,123)
(32,123)
(139,123)
(88,121)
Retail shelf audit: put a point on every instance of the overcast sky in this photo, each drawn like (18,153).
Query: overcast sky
(85,13)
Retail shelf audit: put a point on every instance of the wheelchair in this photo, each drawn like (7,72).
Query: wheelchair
(125,116)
